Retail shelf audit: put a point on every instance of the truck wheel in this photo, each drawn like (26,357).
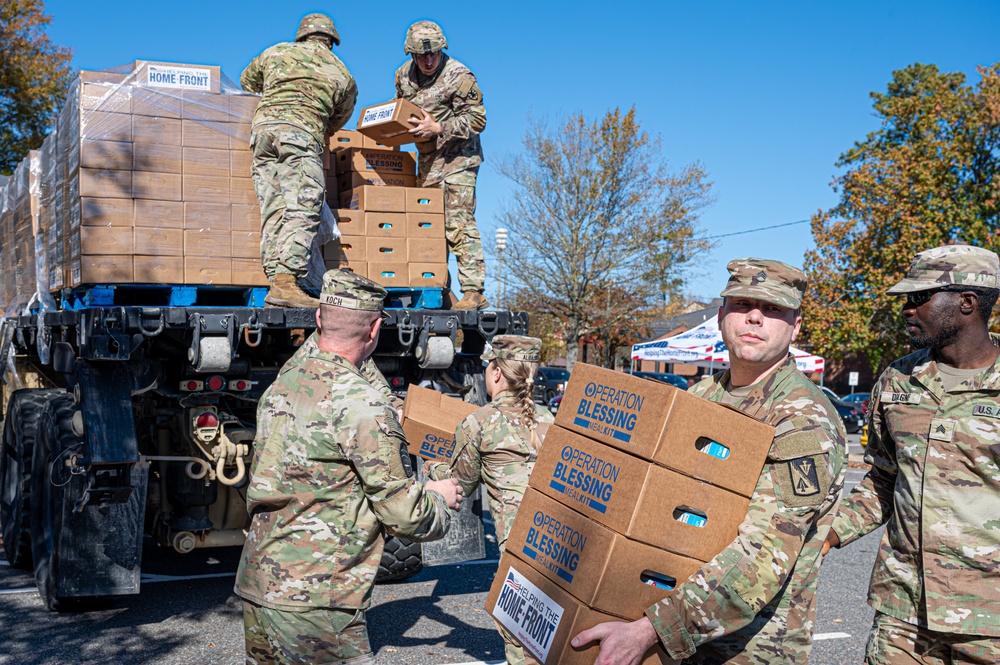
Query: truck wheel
(472,376)
(52,490)
(400,559)
(19,432)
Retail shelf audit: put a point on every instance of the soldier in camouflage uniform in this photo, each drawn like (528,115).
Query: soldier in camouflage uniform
(327,480)
(498,444)
(307,92)
(448,143)
(934,449)
(754,603)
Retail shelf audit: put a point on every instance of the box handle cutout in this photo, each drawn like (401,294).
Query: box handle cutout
(690,516)
(424,225)
(427,275)
(423,202)
(388,273)
(385,225)
(658,580)
(385,250)
(712,448)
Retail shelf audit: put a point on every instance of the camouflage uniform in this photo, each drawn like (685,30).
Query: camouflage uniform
(326,479)
(307,92)
(935,484)
(492,446)
(451,162)
(755,601)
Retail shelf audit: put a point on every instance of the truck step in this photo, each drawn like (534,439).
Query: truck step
(415,298)
(161,295)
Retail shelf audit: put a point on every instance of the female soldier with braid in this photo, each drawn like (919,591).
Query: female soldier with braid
(497,445)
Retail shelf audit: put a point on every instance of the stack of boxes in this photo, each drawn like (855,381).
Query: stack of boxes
(391,231)
(147,180)
(19,210)
(636,486)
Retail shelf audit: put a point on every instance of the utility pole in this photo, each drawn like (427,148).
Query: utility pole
(501,246)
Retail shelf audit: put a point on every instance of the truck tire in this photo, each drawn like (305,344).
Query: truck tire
(19,433)
(52,488)
(401,558)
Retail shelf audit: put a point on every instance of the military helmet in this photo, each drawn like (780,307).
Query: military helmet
(317,24)
(424,37)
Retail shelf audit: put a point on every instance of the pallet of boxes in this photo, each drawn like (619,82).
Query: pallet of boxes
(146,181)
(636,485)
(391,230)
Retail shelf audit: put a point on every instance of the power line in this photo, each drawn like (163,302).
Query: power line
(763,228)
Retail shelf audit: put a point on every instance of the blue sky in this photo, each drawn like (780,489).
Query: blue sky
(766,95)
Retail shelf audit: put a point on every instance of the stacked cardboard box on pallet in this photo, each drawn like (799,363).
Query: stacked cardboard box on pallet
(147,180)
(19,210)
(636,485)
(391,230)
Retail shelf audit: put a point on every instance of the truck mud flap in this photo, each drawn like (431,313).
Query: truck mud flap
(464,540)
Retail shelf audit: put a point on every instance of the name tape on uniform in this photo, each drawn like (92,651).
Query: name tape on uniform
(900,398)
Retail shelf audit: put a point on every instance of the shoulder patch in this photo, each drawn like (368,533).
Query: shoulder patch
(803,481)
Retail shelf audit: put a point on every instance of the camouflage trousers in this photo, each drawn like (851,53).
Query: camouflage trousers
(895,642)
(513,651)
(289,180)
(461,230)
(276,637)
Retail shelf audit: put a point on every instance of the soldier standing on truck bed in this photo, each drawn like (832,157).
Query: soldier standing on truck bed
(755,601)
(306,93)
(450,151)
(934,455)
(327,479)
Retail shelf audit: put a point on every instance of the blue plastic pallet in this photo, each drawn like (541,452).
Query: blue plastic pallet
(415,298)
(161,295)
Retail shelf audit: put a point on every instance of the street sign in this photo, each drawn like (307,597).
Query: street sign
(852,379)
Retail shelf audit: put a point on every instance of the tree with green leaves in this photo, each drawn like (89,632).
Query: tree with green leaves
(34,78)
(929,176)
(599,226)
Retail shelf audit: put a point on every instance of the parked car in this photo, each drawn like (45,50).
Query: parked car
(549,382)
(861,399)
(851,413)
(664,377)
(554,404)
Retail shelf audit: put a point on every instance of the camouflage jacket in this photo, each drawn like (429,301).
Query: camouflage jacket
(453,97)
(754,602)
(935,483)
(327,478)
(302,84)
(491,447)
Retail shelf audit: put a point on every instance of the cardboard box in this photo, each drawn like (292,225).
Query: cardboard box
(208,242)
(428,275)
(246,245)
(101,240)
(425,200)
(244,217)
(243,106)
(152,241)
(241,191)
(388,122)
(205,189)
(156,186)
(176,76)
(248,272)
(159,269)
(156,130)
(206,161)
(389,274)
(350,222)
(101,269)
(668,426)
(206,134)
(427,250)
(116,155)
(352,179)
(105,96)
(358,267)
(384,225)
(347,249)
(214,216)
(544,617)
(605,570)
(208,270)
(424,225)
(344,139)
(430,420)
(240,163)
(391,250)
(370,160)
(159,214)
(375,199)
(155,103)
(105,183)
(103,126)
(105,212)
(197,105)
(158,157)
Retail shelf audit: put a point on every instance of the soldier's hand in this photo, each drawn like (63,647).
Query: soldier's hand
(449,489)
(832,540)
(621,643)
(425,128)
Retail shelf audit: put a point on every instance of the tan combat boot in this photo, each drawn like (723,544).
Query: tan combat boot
(471,300)
(286,292)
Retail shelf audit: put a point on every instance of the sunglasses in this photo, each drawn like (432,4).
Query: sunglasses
(920,298)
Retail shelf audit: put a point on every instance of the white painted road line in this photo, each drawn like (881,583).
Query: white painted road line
(9,592)
(830,636)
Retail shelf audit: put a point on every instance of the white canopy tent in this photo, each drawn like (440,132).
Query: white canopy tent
(702,346)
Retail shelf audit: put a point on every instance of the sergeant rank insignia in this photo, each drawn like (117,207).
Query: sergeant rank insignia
(805,481)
